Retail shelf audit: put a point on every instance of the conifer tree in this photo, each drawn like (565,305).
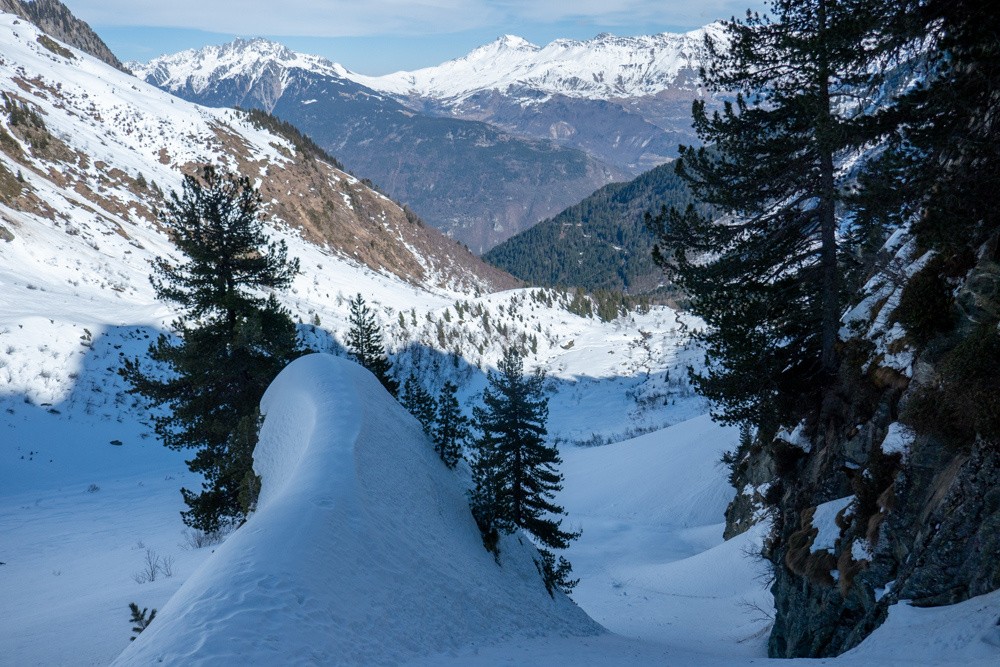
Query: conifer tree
(451,427)
(768,275)
(139,619)
(514,470)
(945,154)
(231,340)
(364,342)
(418,402)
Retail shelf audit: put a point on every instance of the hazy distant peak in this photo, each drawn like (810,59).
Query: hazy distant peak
(605,66)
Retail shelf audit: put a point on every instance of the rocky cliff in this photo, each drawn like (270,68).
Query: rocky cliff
(891,493)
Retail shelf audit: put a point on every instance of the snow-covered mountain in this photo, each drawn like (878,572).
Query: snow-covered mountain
(626,100)
(474,181)
(198,70)
(85,155)
(605,67)
(91,151)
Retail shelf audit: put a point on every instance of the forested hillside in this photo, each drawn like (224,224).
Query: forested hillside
(870,439)
(600,243)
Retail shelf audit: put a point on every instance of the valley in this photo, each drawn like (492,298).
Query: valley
(719,509)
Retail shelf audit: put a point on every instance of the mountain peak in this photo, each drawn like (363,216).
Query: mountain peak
(606,66)
(242,57)
(515,42)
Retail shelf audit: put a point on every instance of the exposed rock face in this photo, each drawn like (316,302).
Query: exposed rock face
(935,543)
(923,520)
(55,19)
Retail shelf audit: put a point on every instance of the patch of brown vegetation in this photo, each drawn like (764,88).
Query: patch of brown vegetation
(800,559)
(848,569)
(884,377)
(335,210)
(55,47)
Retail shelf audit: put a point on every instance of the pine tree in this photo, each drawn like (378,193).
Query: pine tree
(514,470)
(231,341)
(139,619)
(364,342)
(945,150)
(451,427)
(768,276)
(418,402)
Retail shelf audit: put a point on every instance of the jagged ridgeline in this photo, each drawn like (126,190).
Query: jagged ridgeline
(54,18)
(600,243)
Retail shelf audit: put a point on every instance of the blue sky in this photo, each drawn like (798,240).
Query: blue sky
(380,36)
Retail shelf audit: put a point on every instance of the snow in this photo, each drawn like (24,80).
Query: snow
(362,550)
(961,634)
(650,510)
(87,494)
(825,522)
(898,439)
(796,437)
(604,67)
(198,68)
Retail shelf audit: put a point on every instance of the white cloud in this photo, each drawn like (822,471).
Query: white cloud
(313,18)
(630,12)
(337,18)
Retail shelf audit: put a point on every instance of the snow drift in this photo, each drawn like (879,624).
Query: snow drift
(362,549)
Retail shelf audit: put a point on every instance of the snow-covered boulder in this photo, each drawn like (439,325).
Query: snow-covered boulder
(362,549)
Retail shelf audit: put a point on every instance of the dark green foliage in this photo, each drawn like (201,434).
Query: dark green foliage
(949,126)
(418,402)
(966,401)
(600,243)
(303,143)
(926,306)
(231,341)
(20,114)
(364,342)
(556,573)
(451,427)
(139,619)
(514,470)
(735,459)
(768,279)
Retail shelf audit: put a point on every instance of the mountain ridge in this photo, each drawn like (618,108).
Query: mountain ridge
(625,100)
(604,67)
(77,134)
(476,182)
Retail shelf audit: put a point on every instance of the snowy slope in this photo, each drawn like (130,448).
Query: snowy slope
(362,549)
(605,67)
(110,146)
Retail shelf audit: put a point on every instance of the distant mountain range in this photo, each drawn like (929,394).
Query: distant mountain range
(626,100)
(87,154)
(484,146)
(477,183)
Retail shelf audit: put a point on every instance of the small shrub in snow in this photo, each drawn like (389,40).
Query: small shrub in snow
(154,565)
(139,619)
(93,488)
(196,539)
(167,566)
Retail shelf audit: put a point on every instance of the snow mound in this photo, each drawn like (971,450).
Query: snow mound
(362,549)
